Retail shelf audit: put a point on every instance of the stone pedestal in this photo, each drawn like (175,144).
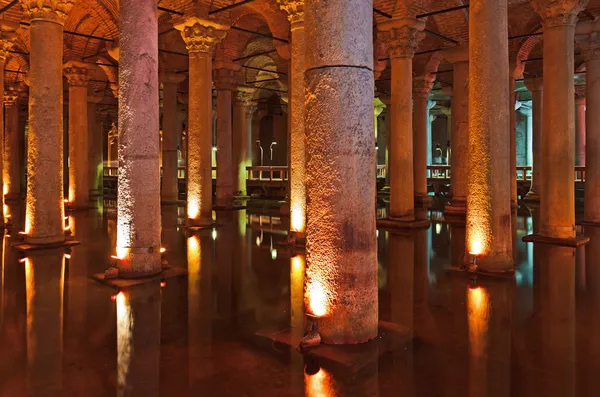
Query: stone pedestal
(12,152)
(557,210)
(243,109)
(488,228)
(138,216)
(341,275)
(402,36)
(200,35)
(421,88)
(459,57)
(78,75)
(170,131)
(535,85)
(44,223)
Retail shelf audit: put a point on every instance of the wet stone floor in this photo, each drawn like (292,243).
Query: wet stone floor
(64,334)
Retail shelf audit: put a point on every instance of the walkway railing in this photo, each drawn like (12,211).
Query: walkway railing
(267,173)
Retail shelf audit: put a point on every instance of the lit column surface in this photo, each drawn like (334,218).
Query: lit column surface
(170,130)
(557,206)
(224,81)
(44,219)
(489,234)
(402,36)
(589,42)
(78,75)
(341,284)
(95,166)
(243,109)
(459,57)
(297,159)
(7,36)
(580,128)
(421,88)
(200,35)
(12,153)
(138,201)
(536,86)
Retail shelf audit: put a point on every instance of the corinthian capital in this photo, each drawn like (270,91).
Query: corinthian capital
(402,36)
(295,10)
(587,36)
(558,12)
(200,35)
(47,10)
(422,86)
(8,34)
(78,74)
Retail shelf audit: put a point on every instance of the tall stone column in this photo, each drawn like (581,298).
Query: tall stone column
(387,101)
(489,227)
(170,130)
(580,130)
(12,152)
(44,219)
(78,75)
(430,119)
(224,81)
(402,36)
(421,88)
(588,37)
(536,86)
(341,254)
(515,70)
(297,155)
(557,209)
(96,165)
(7,36)
(459,57)
(138,201)
(200,35)
(243,109)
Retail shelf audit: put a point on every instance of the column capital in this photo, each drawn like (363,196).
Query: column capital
(171,78)
(78,74)
(224,75)
(244,97)
(587,36)
(580,92)
(11,98)
(456,54)
(47,10)
(534,84)
(295,10)
(402,36)
(558,12)
(8,34)
(200,35)
(422,86)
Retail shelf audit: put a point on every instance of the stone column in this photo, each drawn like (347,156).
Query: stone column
(138,201)
(421,88)
(459,57)
(12,152)
(402,36)
(96,165)
(297,155)
(6,40)
(44,219)
(535,85)
(387,101)
(557,210)
(170,130)
(200,35)
(224,82)
(78,75)
(430,120)
(341,254)
(489,228)
(243,109)
(515,70)
(588,37)
(580,130)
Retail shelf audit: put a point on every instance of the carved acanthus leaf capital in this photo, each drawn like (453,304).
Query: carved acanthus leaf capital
(402,36)
(422,86)
(245,96)
(78,74)
(8,34)
(558,12)
(12,94)
(224,78)
(295,10)
(47,10)
(587,36)
(200,35)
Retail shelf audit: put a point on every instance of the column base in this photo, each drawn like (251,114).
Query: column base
(79,207)
(456,211)
(424,200)
(199,224)
(564,242)
(396,224)
(532,197)
(172,202)
(34,246)
(118,282)
(296,239)
(229,207)
(12,197)
(590,223)
(474,272)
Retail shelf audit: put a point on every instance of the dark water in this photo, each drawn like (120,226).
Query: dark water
(63,334)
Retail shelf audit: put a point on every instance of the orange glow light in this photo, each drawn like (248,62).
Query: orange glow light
(297,220)
(22,260)
(317,298)
(163,284)
(68,256)
(319,384)
(476,247)
(163,250)
(193,209)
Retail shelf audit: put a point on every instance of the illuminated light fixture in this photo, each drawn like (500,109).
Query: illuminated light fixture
(297,263)
(8,216)
(66,218)
(23,233)
(317,299)
(22,260)
(438,228)
(214,234)
(214,148)
(5,189)
(258,241)
(66,201)
(163,284)
(297,220)
(8,235)
(273,253)
(193,209)
(116,258)
(68,227)
(68,256)
(163,250)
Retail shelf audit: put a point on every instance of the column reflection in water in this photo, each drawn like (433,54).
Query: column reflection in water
(138,340)
(489,320)
(588,349)
(224,247)
(200,258)
(557,317)
(44,283)
(323,382)
(423,321)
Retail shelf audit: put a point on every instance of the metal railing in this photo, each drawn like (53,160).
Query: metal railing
(267,173)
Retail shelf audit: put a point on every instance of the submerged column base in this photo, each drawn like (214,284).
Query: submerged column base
(564,242)
(399,224)
(532,197)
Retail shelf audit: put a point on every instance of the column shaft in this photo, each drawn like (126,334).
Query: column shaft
(341,276)
(422,87)
(580,131)
(242,125)
(79,182)
(224,149)
(12,153)
(138,217)
(592,118)
(489,234)
(512,97)
(96,165)
(169,187)
(536,87)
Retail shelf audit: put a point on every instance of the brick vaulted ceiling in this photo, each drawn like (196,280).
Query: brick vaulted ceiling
(99,18)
